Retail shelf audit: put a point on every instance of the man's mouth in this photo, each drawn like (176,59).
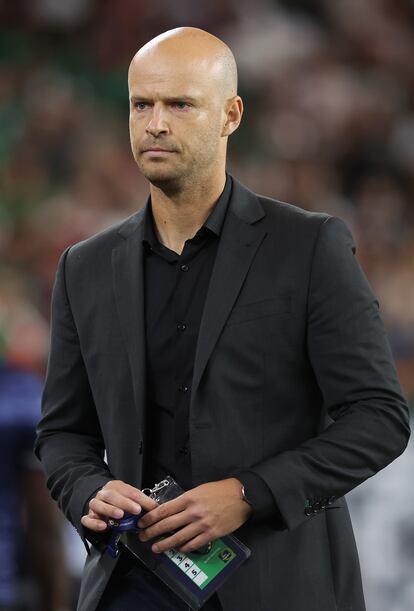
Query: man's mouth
(157,149)
(157,152)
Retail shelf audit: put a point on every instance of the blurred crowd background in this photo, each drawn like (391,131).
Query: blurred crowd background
(328,88)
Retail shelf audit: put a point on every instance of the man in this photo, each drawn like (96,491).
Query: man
(223,338)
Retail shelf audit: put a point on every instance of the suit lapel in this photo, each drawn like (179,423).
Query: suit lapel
(239,242)
(128,280)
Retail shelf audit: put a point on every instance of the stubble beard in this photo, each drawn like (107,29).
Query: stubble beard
(170,180)
(182,174)
(175,180)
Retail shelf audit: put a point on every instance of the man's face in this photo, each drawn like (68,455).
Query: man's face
(176,119)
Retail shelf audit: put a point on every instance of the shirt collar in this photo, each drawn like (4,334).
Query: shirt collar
(216,218)
(214,222)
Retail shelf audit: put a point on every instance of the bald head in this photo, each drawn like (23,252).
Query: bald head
(190,47)
(183,106)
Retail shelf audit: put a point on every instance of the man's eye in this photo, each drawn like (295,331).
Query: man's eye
(181,105)
(140,105)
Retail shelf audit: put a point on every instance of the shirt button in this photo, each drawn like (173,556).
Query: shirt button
(183,388)
(184,450)
(184,268)
(181,327)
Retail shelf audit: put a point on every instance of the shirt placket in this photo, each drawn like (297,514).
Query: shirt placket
(183,344)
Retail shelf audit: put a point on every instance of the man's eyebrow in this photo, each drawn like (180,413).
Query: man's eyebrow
(177,98)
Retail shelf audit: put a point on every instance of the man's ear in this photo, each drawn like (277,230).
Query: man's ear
(234,113)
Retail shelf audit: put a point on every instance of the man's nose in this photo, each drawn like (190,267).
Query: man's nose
(157,124)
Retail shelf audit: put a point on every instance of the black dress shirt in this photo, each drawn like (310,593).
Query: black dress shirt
(175,292)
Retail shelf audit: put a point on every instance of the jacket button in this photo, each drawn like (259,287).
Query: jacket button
(308,508)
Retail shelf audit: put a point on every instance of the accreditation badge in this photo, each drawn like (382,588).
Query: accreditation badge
(194,576)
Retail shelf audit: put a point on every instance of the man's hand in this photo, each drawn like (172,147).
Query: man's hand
(200,515)
(115,498)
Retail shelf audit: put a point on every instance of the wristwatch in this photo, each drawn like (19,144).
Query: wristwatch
(244,497)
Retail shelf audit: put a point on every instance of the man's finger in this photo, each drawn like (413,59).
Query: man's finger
(93,514)
(128,491)
(195,543)
(179,538)
(116,499)
(164,511)
(93,523)
(167,525)
(106,510)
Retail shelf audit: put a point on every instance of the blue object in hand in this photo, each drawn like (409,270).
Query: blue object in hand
(128,523)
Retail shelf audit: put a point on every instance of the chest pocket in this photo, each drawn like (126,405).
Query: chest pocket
(260,309)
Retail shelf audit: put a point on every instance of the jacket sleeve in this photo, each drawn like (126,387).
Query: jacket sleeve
(351,359)
(69,441)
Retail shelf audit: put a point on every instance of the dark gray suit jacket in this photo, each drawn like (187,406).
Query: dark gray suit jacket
(293,379)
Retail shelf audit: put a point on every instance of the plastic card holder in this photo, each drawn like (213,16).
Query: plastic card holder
(193,577)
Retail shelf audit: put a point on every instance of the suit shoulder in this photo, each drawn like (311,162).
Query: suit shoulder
(291,213)
(288,220)
(105,240)
(298,223)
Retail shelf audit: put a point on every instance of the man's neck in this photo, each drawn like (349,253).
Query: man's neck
(178,218)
